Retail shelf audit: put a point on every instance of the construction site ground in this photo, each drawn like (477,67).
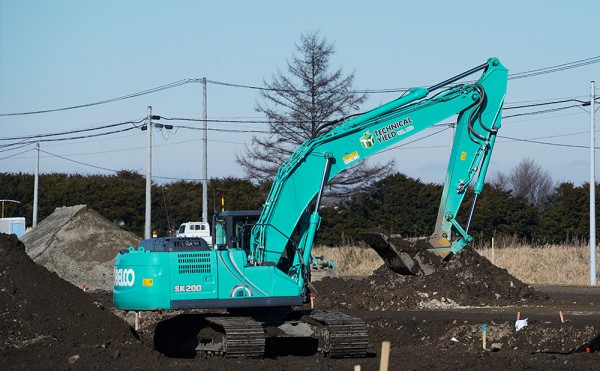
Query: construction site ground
(432,322)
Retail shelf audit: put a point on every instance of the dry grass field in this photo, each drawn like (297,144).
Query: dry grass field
(550,265)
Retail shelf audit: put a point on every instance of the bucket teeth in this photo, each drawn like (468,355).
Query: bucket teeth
(406,256)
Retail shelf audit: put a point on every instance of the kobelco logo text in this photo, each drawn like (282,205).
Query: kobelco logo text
(124,277)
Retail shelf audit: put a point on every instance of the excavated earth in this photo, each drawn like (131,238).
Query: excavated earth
(434,322)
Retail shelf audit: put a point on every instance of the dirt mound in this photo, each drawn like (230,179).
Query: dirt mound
(467,280)
(79,245)
(47,323)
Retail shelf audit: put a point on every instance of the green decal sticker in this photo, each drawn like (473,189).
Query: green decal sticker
(367,140)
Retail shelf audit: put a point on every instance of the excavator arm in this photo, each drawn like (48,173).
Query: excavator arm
(285,231)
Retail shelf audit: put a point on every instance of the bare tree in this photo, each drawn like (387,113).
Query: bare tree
(305,103)
(527,180)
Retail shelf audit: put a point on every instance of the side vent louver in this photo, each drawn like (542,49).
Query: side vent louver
(195,262)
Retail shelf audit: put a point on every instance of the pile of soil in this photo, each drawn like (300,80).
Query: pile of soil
(468,279)
(48,323)
(78,244)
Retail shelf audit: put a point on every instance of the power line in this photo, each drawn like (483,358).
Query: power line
(545,143)
(128,96)
(78,162)
(111,170)
(536,72)
(13,149)
(26,140)
(557,68)
(68,138)
(544,104)
(519,75)
(73,131)
(16,154)
(540,112)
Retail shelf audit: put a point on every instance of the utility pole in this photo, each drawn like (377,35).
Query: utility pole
(592,187)
(205,157)
(148,223)
(36,182)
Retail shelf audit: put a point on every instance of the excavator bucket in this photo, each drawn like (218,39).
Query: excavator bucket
(413,256)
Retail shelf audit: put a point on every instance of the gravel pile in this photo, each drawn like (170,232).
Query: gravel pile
(80,245)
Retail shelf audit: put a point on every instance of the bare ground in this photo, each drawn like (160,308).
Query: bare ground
(431,322)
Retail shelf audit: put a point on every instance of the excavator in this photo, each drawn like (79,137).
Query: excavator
(260,275)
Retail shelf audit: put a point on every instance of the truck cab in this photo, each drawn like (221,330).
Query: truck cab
(195,229)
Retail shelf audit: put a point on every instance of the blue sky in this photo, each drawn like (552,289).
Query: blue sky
(63,53)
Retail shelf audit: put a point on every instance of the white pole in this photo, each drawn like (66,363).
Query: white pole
(592,189)
(147,226)
(493,257)
(205,157)
(36,182)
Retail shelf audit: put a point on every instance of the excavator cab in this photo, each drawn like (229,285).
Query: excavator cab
(231,229)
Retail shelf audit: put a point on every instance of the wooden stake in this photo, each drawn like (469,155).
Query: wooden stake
(356,367)
(385,356)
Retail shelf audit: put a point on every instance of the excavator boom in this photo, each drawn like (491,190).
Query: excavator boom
(478,106)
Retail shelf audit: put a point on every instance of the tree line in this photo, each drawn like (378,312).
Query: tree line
(396,203)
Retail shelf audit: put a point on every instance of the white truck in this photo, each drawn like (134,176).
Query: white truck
(13,226)
(195,229)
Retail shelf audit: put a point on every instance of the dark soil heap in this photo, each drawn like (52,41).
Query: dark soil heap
(47,323)
(468,279)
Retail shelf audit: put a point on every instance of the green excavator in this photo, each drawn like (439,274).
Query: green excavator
(263,279)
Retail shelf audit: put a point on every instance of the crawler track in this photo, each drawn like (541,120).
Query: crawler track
(340,335)
(243,336)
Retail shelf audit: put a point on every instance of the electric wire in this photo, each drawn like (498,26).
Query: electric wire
(112,170)
(111,100)
(551,69)
(78,162)
(73,131)
(525,74)
(545,143)
(27,140)
(42,140)
(16,154)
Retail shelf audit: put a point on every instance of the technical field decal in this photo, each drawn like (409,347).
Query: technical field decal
(388,132)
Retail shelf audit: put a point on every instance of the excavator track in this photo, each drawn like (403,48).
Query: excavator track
(340,335)
(241,337)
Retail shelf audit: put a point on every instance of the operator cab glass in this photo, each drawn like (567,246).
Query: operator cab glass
(232,229)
